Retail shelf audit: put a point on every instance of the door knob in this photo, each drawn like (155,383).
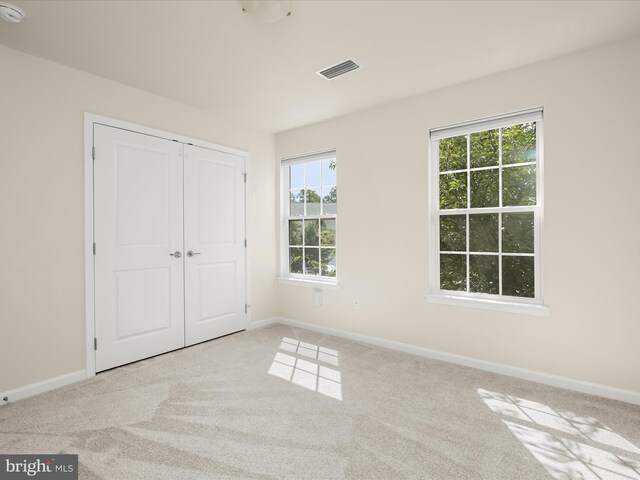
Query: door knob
(176,254)
(191,253)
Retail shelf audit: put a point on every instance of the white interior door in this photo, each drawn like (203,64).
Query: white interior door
(214,222)
(138,208)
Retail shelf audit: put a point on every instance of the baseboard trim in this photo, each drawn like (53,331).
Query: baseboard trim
(263,323)
(525,374)
(42,386)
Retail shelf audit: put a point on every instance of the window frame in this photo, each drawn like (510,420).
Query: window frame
(528,305)
(303,279)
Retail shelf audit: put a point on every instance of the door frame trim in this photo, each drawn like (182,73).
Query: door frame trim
(90,119)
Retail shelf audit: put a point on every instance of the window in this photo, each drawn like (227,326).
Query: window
(486,198)
(310,197)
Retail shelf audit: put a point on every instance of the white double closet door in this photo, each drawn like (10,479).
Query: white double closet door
(170,250)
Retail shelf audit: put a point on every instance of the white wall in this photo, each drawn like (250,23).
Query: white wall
(591,230)
(42,325)
(591,234)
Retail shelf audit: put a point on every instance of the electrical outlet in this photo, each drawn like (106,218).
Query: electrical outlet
(317,297)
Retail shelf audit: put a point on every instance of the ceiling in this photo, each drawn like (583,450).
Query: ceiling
(211,55)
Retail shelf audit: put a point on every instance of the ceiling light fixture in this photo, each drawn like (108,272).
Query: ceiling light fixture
(11,13)
(267,10)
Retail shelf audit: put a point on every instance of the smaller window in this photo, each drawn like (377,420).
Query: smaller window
(310,217)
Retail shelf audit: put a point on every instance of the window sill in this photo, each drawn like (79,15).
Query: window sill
(524,308)
(303,282)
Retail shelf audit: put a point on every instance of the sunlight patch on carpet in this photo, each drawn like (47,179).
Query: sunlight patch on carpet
(295,366)
(543,431)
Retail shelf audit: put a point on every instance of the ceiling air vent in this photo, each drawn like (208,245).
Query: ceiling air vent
(340,69)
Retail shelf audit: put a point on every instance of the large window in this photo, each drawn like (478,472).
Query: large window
(310,197)
(486,209)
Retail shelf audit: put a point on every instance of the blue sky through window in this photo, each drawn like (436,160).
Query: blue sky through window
(312,174)
(316,174)
(328,175)
(297,176)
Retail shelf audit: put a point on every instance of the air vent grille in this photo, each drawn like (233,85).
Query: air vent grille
(340,69)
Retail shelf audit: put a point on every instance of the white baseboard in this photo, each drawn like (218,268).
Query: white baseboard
(42,386)
(531,375)
(263,323)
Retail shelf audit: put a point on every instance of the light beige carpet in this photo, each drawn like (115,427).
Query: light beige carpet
(286,403)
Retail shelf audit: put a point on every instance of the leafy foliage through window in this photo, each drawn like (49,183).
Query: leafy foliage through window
(311,217)
(487,214)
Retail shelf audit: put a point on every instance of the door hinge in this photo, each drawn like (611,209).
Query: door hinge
(94,248)
(245,177)
(245,243)
(246,308)
(93,152)
(95,343)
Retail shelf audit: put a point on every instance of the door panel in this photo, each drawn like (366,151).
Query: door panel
(221,279)
(142,195)
(138,206)
(214,229)
(142,299)
(215,203)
